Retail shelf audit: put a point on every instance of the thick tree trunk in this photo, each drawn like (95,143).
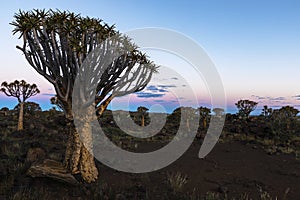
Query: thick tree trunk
(21,114)
(79,157)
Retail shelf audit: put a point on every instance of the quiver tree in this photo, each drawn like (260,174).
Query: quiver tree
(245,107)
(4,111)
(189,114)
(142,113)
(284,118)
(266,111)
(56,44)
(219,112)
(204,114)
(22,91)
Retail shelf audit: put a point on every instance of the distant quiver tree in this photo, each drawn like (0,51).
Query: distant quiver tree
(22,91)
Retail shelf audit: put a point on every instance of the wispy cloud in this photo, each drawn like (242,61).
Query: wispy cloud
(297,97)
(269,98)
(48,94)
(152,88)
(167,86)
(278,99)
(159,101)
(148,95)
(162,90)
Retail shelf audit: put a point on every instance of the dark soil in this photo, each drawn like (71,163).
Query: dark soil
(233,168)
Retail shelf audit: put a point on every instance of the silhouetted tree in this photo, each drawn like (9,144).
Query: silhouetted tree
(55,101)
(266,111)
(204,113)
(284,118)
(22,91)
(4,110)
(245,107)
(219,111)
(56,44)
(189,114)
(142,112)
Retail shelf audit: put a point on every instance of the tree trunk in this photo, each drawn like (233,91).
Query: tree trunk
(188,125)
(204,123)
(79,157)
(21,114)
(143,121)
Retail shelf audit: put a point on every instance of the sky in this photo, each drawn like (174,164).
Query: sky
(255,46)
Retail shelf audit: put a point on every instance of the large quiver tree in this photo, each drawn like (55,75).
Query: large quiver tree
(56,45)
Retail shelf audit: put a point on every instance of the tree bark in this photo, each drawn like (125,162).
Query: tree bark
(143,121)
(21,114)
(188,125)
(204,123)
(79,157)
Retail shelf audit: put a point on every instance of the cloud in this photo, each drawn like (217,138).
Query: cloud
(152,88)
(297,97)
(159,101)
(162,90)
(269,98)
(262,97)
(278,99)
(259,97)
(48,94)
(167,86)
(148,95)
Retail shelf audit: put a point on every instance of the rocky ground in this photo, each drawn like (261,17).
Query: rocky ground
(235,169)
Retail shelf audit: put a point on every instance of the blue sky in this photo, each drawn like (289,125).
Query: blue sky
(255,45)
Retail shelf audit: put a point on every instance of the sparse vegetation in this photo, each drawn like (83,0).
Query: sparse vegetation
(43,131)
(177,181)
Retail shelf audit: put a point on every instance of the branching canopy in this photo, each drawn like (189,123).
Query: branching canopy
(245,107)
(19,89)
(56,43)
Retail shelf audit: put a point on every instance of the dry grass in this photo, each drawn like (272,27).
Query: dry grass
(177,181)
